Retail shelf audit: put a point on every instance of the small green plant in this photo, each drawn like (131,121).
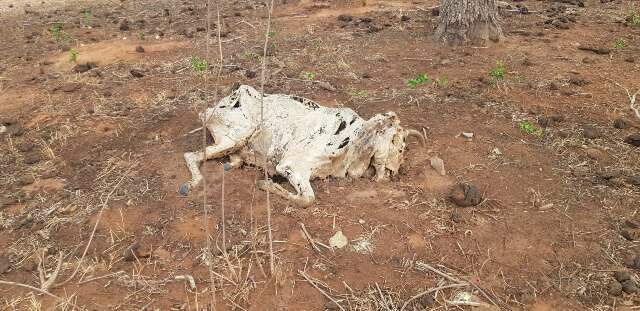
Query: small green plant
(198,64)
(56,30)
(73,55)
(308,75)
(441,82)
(420,79)
(271,34)
(359,94)
(87,17)
(633,19)
(620,44)
(247,55)
(498,71)
(141,35)
(530,129)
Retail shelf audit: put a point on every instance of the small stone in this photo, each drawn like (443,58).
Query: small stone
(131,252)
(545,121)
(426,301)
(438,165)
(81,68)
(405,18)
(591,132)
(250,74)
(629,287)
(24,147)
(465,195)
(630,59)
(634,180)
(327,86)
(26,180)
(621,123)
(622,276)
(345,18)
(467,135)
(4,264)
(633,140)
(595,154)
(615,288)
(633,224)
(630,234)
(136,73)
(588,60)
(32,158)
(457,218)
(338,240)
(139,49)
(124,25)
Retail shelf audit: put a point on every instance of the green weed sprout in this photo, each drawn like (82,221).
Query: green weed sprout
(620,44)
(307,75)
(198,64)
(420,79)
(530,129)
(498,71)
(73,55)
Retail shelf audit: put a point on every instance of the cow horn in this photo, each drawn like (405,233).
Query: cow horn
(419,135)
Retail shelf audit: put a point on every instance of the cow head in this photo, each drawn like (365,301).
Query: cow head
(390,143)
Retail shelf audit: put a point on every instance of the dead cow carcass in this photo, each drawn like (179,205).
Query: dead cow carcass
(300,141)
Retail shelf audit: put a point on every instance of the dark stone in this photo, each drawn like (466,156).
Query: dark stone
(250,74)
(124,25)
(633,224)
(630,234)
(629,287)
(80,68)
(622,276)
(597,50)
(24,146)
(634,180)
(614,288)
(621,123)
(139,49)
(32,158)
(545,121)
(136,73)
(633,139)
(26,180)
(465,195)
(590,132)
(131,252)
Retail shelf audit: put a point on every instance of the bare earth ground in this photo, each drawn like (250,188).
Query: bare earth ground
(548,237)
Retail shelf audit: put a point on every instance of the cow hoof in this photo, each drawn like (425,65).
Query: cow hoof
(261,184)
(227,167)
(184,189)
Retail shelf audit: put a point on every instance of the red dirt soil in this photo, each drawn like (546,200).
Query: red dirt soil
(561,186)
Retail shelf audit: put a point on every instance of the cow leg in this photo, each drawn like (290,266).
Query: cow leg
(194,159)
(300,183)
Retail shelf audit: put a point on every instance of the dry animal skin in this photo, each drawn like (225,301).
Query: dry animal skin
(299,140)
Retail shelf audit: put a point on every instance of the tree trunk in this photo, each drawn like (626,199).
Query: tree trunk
(468,22)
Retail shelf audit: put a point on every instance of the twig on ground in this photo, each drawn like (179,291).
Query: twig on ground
(421,266)
(95,227)
(632,97)
(46,284)
(431,290)
(306,277)
(266,176)
(309,238)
